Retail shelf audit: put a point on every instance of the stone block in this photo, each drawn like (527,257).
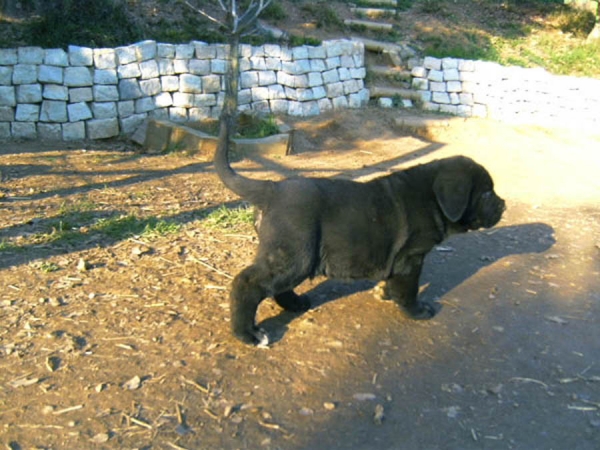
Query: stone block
(126,55)
(77,95)
(25,74)
(420,84)
(266,78)
(315,79)
(149,69)
(211,84)
(440,97)
(219,66)
(29,93)
(144,105)
(56,57)
(451,75)
(50,74)
(49,131)
(165,67)
(150,87)
(30,55)
(273,64)
(78,112)
(184,51)
(340,102)
(177,114)
(126,108)
(449,63)
(5,130)
(78,77)
(331,76)
(104,110)
(23,130)
(145,50)
(6,75)
(27,113)
(7,96)
(432,63)
(335,90)
(333,63)
(106,93)
(80,56)
(183,100)
(454,86)
(8,57)
(73,131)
(206,100)
(105,58)
(165,51)
(169,83)
(129,89)
(129,71)
(317,65)
(106,76)
(102,128)
(7,114)
(163,100)
(190,83)
(181,66)
(205,51)
(199,66)
(53,111)
(248,79)
(130,124)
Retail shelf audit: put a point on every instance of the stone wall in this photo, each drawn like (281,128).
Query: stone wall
(100,93)
(511,94)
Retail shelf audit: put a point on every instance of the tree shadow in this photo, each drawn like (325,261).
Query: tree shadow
(446,267)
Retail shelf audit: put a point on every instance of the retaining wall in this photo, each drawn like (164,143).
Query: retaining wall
(100,93)
(511,94)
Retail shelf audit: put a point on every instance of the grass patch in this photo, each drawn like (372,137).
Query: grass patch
(225,218)
(123,227)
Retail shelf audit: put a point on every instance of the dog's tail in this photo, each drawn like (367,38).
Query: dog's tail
(255,191)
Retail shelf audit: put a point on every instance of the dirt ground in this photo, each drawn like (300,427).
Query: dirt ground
(116,340)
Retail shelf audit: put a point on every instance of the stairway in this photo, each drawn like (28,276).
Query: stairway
(388,63)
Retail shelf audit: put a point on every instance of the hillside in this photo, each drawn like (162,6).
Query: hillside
(530,34)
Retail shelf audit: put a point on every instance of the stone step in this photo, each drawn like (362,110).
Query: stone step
(380,2)
(396,73)
(160,136)
(373,12)
(377,26)
(387,91)
(428,127)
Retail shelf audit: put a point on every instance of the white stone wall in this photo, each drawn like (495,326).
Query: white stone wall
(512,94)
(99,93)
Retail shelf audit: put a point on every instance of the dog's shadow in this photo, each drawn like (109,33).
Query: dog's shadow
(446,267)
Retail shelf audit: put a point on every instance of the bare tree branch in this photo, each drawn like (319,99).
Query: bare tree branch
(208,16)
(252,12)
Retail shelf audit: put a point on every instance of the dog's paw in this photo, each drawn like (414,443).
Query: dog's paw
(256,337)
(421,311)
(380,292)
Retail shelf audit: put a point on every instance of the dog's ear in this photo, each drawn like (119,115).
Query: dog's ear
(452,191)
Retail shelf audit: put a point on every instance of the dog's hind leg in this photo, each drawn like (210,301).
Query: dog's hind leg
(251,286)
(290,301)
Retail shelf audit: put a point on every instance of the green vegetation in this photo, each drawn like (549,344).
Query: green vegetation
(229,218)
(97,24)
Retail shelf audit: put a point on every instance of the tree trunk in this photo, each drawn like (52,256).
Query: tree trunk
(594,35)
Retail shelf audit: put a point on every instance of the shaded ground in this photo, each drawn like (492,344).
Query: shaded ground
(110,340)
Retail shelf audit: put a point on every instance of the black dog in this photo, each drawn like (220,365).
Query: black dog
(379,230)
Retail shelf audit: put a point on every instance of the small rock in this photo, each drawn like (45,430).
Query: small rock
(306,411)
(133,384)
(100,438)
(82,265)
(362,396)
(329,406)
(379,415)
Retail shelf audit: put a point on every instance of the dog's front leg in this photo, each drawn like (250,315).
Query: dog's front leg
(403,288)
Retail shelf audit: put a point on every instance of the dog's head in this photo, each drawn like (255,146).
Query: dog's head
(465,193)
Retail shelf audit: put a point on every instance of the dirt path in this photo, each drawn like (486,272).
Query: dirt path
(113,311)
